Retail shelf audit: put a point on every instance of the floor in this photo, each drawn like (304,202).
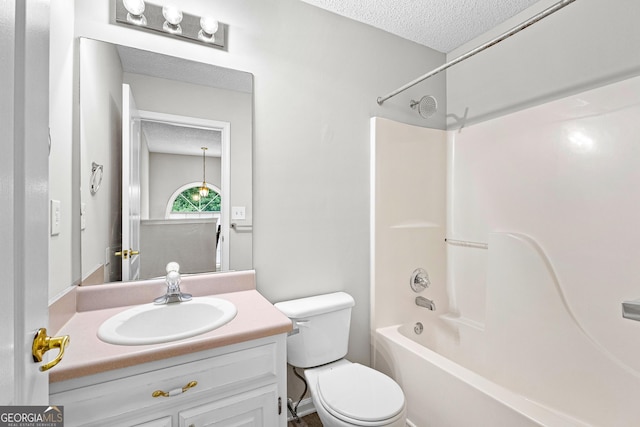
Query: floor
(310,420)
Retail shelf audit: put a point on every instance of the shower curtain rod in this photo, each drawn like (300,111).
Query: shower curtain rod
(480,48)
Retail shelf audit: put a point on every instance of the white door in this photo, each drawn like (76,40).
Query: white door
(130,186)
(24,174)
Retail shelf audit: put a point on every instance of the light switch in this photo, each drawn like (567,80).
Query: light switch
(238,212)
(83,219)
(55,217)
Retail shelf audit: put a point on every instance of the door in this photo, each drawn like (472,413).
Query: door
(24,174)
(130,186)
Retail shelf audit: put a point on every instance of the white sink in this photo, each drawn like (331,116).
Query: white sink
(153,324)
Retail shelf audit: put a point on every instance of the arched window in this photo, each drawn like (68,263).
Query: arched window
(186,202)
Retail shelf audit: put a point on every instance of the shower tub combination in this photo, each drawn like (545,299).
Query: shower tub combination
(515,370)
(441,392)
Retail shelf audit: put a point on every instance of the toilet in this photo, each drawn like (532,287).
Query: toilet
(345,394)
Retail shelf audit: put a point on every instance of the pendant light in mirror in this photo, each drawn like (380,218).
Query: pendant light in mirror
(204,189)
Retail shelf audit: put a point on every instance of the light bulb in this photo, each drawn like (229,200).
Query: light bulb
(209,25)
(204,190)
(134,7)
(172,14)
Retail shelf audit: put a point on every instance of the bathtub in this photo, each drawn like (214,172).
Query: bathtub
(527,361)
(442,393)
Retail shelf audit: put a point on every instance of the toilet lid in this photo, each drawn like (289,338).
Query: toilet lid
(360,393)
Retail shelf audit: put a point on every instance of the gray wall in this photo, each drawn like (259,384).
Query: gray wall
(168,172)
(192,245)
(101,142)
(584,45)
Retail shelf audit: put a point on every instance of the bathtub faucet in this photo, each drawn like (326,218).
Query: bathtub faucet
(426,303)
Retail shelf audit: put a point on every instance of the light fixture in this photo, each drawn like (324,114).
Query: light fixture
(209,27)
(204,189)
(135,12)
(173,17)
(169,20)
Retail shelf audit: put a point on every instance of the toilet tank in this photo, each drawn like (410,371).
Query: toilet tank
(320,328)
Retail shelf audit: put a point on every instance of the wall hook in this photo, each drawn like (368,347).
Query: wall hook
(96,177)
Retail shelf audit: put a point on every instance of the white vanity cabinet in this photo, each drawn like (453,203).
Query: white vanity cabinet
(239,384)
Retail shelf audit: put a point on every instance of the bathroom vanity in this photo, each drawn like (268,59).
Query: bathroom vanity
(233,375)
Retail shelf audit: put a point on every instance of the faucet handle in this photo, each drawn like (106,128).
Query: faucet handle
(173,266)
(419,280)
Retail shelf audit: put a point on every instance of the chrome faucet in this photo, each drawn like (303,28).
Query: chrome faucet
(426,303)
(173,286)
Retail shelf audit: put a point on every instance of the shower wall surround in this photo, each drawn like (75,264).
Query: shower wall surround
(562,173)
(408,223)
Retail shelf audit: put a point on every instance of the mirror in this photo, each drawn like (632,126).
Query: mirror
(176,135)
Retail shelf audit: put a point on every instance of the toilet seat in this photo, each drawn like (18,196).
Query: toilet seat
(360,395)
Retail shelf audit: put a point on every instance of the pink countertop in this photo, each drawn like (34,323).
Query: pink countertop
(87,354)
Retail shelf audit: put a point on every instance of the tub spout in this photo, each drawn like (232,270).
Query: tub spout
(426,303)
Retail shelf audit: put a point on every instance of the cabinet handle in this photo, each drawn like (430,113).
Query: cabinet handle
(175,391)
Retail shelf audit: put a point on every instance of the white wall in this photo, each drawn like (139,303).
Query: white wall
(317,77)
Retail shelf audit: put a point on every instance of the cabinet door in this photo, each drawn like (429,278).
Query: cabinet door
(160,422)
(255,408)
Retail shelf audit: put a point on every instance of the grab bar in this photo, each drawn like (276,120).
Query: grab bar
(467,244)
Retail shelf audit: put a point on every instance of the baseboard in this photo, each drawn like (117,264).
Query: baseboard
(304,408)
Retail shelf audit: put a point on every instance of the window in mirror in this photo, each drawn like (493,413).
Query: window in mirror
(190,203)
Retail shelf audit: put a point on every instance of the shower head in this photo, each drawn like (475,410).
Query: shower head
(427,106)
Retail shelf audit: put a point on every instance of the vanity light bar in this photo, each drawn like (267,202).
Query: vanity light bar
(172,22)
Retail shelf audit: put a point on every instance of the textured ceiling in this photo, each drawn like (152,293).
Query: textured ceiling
(442,25)
(168,67)
(174,139)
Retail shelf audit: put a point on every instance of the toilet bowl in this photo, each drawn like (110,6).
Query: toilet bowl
(344,394)
(347,394)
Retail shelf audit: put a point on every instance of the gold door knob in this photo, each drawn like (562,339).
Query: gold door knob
(43,343)
(124,254)
(132,252)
